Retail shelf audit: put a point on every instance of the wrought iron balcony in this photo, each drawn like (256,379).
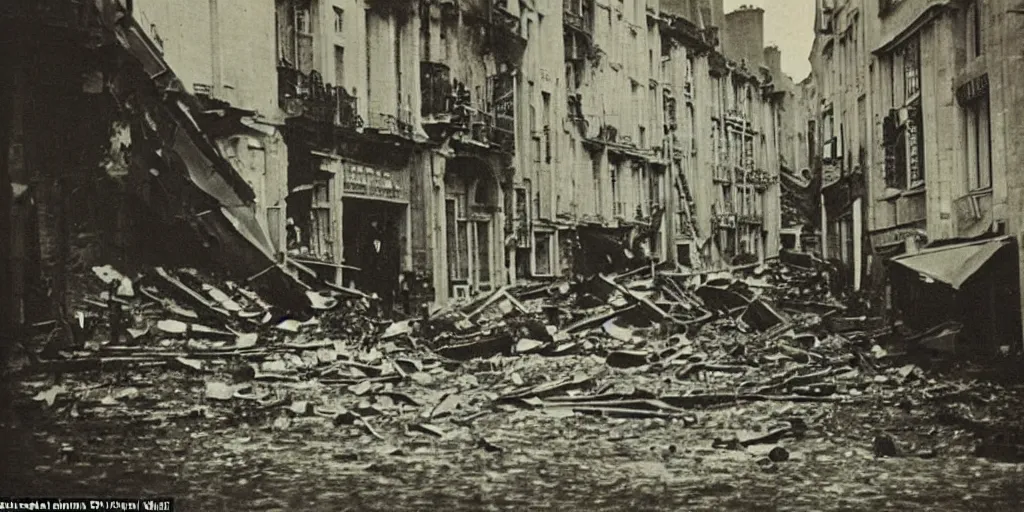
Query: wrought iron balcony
(478,124)
(398,122)
(308,97)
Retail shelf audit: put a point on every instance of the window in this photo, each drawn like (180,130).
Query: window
(339,65)
(533,109)
(321,240)
(339,20)
(911,69)
(643,137)
(546,99)
(972,26)
(483,252)
(303,22)
(979,143)
(458,238)
(904,147)
(543,254)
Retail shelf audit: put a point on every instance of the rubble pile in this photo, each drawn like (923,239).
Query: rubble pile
(112,310)
(667,348)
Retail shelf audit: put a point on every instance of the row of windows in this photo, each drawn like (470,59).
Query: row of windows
(904,137)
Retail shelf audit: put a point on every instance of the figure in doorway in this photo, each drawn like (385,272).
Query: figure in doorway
(378,275)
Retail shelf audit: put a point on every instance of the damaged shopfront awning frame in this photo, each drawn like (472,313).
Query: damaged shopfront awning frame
(171,112)
(954,265)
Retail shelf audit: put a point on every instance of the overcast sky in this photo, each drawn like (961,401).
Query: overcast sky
(789,24)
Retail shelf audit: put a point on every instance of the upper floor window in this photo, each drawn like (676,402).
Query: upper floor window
(339,21)
(973,30)
(912,68)
(303,21)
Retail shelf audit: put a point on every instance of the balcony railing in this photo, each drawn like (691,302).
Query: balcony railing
(399,122)
(308,97)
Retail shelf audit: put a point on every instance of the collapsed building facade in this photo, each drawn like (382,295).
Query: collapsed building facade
(110,158)
(917,128)
(424,151)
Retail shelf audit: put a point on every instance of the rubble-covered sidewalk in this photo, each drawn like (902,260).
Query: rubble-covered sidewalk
(705,391)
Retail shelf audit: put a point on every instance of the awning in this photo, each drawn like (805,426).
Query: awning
(954,264)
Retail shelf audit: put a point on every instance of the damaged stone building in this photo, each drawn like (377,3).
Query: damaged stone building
(424,151)
(669,131)
(110,157)
(919,130)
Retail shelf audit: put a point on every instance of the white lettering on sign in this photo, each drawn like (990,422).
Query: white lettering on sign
(366,181)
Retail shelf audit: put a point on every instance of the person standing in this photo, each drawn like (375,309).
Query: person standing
(377,262)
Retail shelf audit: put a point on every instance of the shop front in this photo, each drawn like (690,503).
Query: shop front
(471,222)
(347,221)
(374,216)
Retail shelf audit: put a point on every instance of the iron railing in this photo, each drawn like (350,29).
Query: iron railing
(307,96)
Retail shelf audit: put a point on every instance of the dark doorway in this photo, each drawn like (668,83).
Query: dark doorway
(372,243)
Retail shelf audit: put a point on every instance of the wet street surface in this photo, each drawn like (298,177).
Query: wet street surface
(532,461)
(608,394)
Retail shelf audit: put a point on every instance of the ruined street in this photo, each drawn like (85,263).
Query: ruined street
(473,255)
(618,393)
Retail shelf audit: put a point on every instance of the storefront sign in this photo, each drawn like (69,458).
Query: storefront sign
(371,183)
(897,235)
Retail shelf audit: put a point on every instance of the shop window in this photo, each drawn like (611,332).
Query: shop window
(458,238)
(321,241)
(543,254)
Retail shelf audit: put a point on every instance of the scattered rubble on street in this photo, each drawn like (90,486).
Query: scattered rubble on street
(667,348)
